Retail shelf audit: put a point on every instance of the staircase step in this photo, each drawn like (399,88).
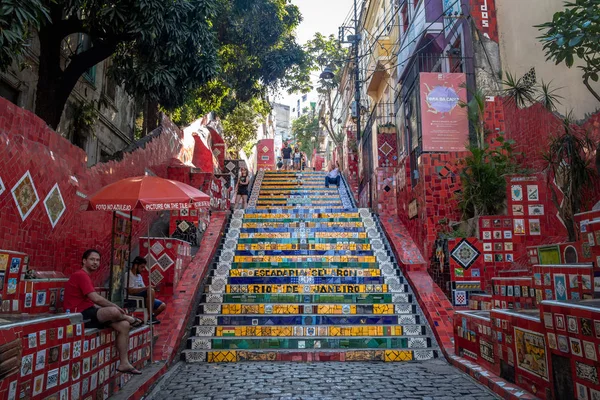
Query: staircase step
(295,343)
(306,355)
(304,272)
(307,288)
(379,298)
(302,331)
(304,265)
(321,309)
(307,319)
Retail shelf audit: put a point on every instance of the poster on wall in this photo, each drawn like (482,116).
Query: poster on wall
(445,126)
(531,352)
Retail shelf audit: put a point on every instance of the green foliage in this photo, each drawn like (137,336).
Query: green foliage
(171,51)
(475,114)
(239,129)
(85,115)
(258,54)
(18,20)
(305,130)
(327,51)
(524,94)
(574,33)
(482,178)
(569,160)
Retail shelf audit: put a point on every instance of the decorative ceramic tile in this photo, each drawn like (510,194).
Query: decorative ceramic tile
(465,254)
(25,195)
(165,262)
(157,248)
(55,205)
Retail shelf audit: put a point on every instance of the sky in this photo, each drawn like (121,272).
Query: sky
(323,16)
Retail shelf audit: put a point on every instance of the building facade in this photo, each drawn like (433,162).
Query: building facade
(115,109)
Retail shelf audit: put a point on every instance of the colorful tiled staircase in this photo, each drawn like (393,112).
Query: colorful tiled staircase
(302,275)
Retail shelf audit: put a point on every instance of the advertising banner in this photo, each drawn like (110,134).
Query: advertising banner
(444,124)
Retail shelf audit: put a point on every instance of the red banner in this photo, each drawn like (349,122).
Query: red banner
(444,123)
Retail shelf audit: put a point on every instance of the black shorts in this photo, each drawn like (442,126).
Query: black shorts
(90,316)
(243,190)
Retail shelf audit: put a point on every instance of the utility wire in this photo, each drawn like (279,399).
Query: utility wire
(417,37)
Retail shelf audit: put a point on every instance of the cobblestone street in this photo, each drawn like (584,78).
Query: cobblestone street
(425,380)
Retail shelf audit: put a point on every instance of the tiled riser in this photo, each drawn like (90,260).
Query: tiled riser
(303,276)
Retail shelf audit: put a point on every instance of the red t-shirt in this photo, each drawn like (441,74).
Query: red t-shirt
(76,291)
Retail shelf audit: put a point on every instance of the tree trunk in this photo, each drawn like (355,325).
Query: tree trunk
(51,94)
(151,117)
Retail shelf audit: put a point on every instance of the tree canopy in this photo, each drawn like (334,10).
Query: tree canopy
(205,55)
(258,56)
(239,128)
(305,129)
(575,33)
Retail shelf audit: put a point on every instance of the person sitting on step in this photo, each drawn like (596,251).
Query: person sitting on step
(333,177)
(81,297)
(137,287)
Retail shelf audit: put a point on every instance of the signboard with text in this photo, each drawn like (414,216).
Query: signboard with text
(444,123)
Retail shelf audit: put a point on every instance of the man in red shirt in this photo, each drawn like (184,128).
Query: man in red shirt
(81,297)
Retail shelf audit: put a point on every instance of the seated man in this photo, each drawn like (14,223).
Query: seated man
(137,287)
(333,176)
(98,312)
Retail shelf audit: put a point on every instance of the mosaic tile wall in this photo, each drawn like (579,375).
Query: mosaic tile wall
(168,258)
(303,276)
(58,357)
(45,183)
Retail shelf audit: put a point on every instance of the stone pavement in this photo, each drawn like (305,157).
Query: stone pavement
(434,379)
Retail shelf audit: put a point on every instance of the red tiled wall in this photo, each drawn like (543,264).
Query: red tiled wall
(530,373)
(513,293)
(89,360)
(573,336)
(28,145)
(474,339)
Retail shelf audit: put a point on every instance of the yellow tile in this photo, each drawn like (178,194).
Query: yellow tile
(396,355)
(222,356)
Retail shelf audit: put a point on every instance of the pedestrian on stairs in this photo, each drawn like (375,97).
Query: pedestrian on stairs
(333,177)
(297,157)
(242,188)
(286,153)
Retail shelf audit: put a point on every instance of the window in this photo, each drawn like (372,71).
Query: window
(84,44)
(404,14)
(110,86)
(8,92)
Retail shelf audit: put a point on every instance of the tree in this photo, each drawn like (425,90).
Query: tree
(239,128)
(575,32)
(18,19)
(570,165)
(161,48)
(328,52)
(258,55)
(305,130)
